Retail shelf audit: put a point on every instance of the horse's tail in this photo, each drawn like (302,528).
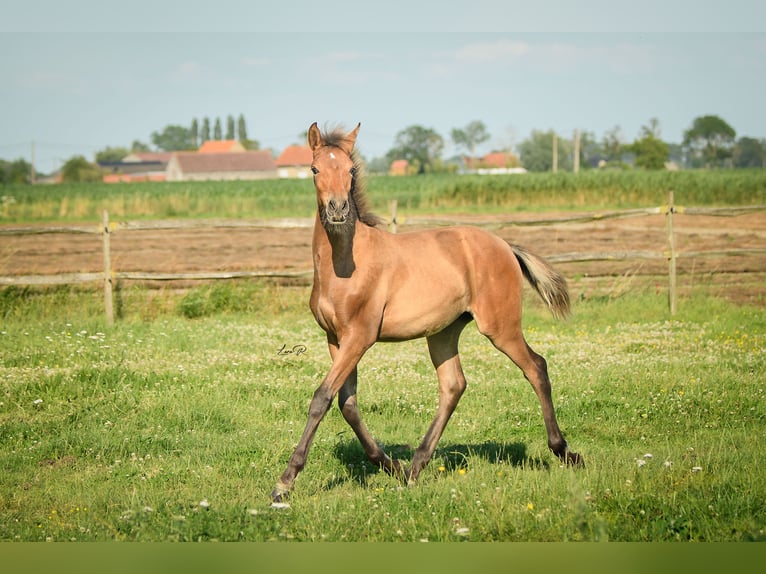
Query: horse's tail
(549,283)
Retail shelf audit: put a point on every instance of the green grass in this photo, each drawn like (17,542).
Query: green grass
(589,190)
(167,427)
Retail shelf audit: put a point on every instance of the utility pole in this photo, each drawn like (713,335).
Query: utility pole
(576,158)
(32,169)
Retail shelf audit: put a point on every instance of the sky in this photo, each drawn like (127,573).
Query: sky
(78,76)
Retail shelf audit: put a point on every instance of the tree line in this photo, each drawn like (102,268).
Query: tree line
(185,138)
(710,142)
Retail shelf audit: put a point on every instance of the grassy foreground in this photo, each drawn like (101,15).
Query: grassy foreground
(169,428)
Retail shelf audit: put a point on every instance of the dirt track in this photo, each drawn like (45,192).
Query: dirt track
(176,251)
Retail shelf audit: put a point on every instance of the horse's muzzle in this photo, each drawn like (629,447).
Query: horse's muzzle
(337,211)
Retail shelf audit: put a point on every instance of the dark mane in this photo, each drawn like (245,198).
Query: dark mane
(336,138)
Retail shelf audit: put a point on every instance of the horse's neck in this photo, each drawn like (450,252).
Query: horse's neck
(335,249)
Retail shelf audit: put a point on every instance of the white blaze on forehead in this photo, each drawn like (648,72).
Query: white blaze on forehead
(332,155)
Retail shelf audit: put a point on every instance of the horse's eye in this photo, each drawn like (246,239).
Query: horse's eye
(352,171)
(314,170)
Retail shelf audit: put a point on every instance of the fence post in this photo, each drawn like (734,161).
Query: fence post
(393,204)
(671,254)
(108,304)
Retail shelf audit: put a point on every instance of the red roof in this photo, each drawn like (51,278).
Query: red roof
(499,159)
(221,146)
(295,155)
(192,162)
(399,167)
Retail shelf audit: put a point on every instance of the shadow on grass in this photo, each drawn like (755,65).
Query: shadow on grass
(452,456)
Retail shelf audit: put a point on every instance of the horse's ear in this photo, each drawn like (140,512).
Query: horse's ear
(350,139)
(315,138)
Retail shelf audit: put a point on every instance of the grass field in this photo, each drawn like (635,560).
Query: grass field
(415,194)
(174,424)
(169,428)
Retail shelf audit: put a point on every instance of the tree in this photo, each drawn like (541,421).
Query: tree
(590,150)
(612,143)
(79,169)
(217,133)
(241,128)
(653,129)
(418,145)
(651,152)
(537,152)
(111,154)
(710,139)
(173,138)
(205,134)
(472,135)
(229,127)
(195,133)
(139,146)
(18,171)
(749,152)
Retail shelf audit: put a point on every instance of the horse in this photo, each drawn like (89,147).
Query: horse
(370,285)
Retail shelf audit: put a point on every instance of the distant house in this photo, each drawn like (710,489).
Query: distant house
(399,167)
(194,166)
(137,166)
(148,156)
(494,163)
(295,161)
(221,146)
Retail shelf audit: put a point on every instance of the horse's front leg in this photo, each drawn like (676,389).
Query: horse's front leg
(344,364)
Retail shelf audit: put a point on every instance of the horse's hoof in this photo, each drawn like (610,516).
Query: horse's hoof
(279,494)
(574,459)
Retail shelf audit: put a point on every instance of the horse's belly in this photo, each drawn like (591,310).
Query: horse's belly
(420,315)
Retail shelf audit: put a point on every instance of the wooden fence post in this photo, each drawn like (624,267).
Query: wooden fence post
(108,303)
(671,254)
(393,204)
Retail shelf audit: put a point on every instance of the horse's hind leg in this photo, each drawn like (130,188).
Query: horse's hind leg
(443,348)
(535,370)
(348,406)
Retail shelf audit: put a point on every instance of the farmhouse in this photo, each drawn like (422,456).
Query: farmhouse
(221,146)
(195,166)
(399,167)
(137,166)
(494,163)
(295,161)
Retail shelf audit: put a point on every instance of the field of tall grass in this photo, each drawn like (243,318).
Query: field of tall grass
(587,190)
(166,428)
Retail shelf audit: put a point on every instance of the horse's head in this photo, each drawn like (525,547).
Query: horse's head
(334,173)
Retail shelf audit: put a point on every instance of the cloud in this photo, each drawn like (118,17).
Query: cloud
(621,58)
(188,71)
(624,57)
(501,50)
